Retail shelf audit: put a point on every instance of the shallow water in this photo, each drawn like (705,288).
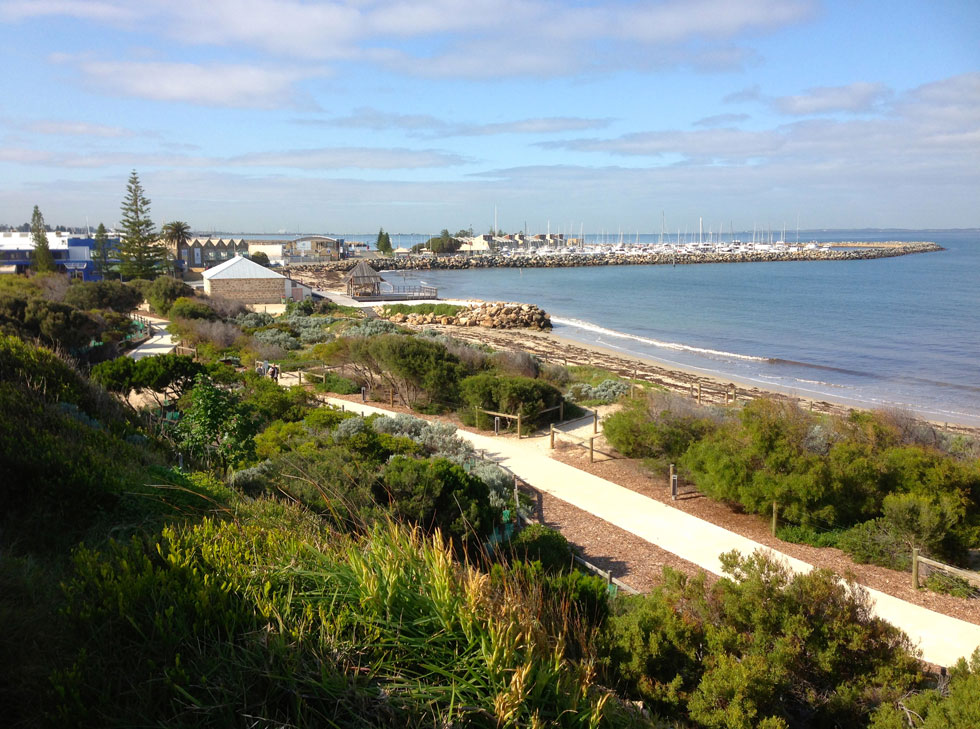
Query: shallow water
(897,332)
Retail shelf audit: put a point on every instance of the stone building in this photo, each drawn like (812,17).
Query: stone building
(240,279)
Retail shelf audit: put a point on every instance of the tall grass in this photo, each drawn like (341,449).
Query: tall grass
(268,616)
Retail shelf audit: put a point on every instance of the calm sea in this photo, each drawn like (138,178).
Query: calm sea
(897,332)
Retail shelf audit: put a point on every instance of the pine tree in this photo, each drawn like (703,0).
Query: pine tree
(383,243)
(140,254)
(42,260)
(100,251)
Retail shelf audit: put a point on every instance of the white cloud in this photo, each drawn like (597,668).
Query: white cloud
(463,38)
(321,159)
(853,98)
(365,158)
(430,126)
(115,12)
(78,129)
(228,85)
(720,120)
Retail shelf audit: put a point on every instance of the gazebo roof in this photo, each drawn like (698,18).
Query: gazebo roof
(362,273)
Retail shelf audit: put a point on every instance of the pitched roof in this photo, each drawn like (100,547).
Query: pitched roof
(362,273)
(239,267)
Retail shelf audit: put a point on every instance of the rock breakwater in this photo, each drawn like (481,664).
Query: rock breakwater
(827,252)
(491,315)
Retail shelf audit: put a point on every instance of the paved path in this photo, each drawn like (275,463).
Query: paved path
(943,639)
(159,342)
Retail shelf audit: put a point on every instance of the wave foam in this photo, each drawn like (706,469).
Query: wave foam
(588,326)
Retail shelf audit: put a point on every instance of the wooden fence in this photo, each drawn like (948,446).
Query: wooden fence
(973,578)
(577,439)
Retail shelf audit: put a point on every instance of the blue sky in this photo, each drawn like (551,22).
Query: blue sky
(261,116)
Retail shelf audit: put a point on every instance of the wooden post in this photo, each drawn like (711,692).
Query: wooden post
(673,483)
(595,421)
(518,424)
(774,518)
(301,377)
(734,394)
(561,410)
(552,436)
(915,567)
(592,449)
(391,394)
(699,393)
(517,501)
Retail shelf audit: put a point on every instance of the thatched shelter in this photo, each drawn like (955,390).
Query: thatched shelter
(363,281)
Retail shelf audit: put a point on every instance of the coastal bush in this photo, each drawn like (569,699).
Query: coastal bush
(950,703)
(277,338)
(518,364)
(421,371)
(437,494)
(761,646)
(648,427)
(54,324)
(508,395)
(947,584)
(606,391)
(253,319)
(163,291)
(113,295)
(189,308)
(539,543)
(799,534)
(371,328)
(334,383)
(873,542)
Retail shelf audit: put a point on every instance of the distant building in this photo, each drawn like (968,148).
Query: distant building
(316,247)
(202,253)
(240,279)
(72,254)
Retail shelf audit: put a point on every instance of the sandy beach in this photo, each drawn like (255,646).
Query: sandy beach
(557,349)
(714,391)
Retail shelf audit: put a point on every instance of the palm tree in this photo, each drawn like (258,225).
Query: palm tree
(176,233)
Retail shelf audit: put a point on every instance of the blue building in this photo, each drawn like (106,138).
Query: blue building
(72,254)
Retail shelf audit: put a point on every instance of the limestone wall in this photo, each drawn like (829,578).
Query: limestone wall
(248,290)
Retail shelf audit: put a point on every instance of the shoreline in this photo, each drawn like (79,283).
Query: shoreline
(674,377)
(559,349)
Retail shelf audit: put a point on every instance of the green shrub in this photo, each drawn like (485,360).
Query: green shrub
(953,704)
(538,543)
(436,494)
(873,542)
(762,646)
(799,534)
(188,308)
(606,391)
(164,291)
(508,395)
(947,584)
(118,297)
(332,382)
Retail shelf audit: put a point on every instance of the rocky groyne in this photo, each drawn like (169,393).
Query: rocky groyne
(491,315)
(826,252)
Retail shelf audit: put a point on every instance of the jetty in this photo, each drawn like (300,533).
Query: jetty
(366,284)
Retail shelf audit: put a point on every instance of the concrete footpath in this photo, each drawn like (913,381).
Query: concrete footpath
(160,341)
(941,638)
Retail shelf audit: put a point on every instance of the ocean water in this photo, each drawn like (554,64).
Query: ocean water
(889,333)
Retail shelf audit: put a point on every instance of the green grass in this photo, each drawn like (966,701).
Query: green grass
(435,309)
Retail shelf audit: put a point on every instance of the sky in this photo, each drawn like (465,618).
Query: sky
(270,116)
